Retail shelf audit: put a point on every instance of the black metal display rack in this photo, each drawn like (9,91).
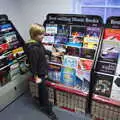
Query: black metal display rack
(104,97)
(12,83)
(68,97)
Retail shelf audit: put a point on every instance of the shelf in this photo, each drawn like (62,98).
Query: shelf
(67,45)
(55,63)
(4,67)
(106,100)
(7,53)
(107,74)
(65,66)
(23,56)
(62,87)
(104,73)
(13,62)
(107,62)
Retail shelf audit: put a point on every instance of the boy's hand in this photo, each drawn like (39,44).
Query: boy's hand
(57,54)
(38,80)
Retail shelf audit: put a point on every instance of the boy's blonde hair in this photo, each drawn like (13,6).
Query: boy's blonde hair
(36,29)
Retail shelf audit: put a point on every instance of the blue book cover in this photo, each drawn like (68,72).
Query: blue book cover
(70,61)
(82,80)
(68,76)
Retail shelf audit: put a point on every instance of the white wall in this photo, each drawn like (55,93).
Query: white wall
(25,12)
(35,11)
(13,10)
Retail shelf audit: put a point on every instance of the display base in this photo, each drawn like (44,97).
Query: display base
(12,90)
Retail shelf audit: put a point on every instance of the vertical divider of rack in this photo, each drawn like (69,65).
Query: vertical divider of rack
(93,75)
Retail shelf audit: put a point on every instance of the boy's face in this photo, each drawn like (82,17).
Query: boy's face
(39,37)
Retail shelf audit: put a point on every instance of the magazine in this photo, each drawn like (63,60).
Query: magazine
(85,64)
(76,36)
(87,53)
(106,68)
(59,48)
(110,48)
(92,37)
(73,51)
(48,39)
(54,72)
(70,61)
(82,80)
(103,85)
(112,34)
(62,34)
(115,92)
(68,77)
(61,39)
(12,40)
(51,29)
(118,67)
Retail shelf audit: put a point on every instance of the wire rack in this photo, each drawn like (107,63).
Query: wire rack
(103,111)
(63,99)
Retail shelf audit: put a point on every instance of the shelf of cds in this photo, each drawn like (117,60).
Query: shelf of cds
(12,62)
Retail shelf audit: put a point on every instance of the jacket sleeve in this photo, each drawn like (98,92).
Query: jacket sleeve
(33,59)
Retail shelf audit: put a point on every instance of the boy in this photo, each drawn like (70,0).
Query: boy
(38,66)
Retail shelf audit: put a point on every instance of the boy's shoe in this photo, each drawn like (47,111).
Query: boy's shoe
(50,114)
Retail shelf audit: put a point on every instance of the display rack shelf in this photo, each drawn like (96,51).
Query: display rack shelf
(66,88)
(65,66)
(67,45)
(13,62)
(106,100)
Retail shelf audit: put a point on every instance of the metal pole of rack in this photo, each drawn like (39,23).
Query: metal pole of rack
(93,74)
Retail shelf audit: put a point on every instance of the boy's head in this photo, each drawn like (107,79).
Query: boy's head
(37,32)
